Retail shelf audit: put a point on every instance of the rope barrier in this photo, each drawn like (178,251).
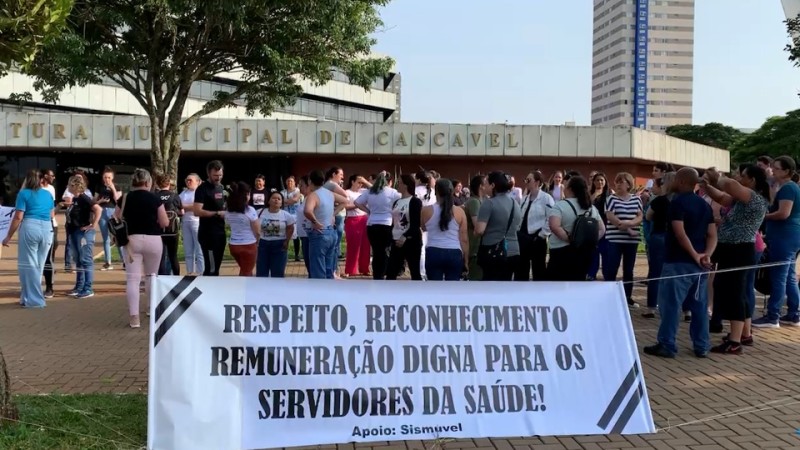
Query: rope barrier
(638,280)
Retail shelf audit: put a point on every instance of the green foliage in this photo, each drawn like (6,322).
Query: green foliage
(713,134)
(95,421)
(156,49)
(793,28)
(26,25)
(778,136)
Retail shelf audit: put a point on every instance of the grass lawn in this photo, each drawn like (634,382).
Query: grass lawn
(93,421)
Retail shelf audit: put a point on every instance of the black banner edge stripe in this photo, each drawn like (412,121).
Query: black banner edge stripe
(172,295)
(619,396)
(627,413)
(176,314)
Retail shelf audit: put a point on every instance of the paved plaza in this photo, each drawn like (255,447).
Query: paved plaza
(750,401)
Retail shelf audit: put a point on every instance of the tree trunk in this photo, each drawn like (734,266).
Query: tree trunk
(8,411)
(166,147)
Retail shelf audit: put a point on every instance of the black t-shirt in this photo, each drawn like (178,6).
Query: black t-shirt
(660,206)
(170,200)
(141,212)
(258,198)
(79,214)
(212,197)
(105,198)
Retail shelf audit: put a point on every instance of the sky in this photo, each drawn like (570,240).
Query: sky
(529,61)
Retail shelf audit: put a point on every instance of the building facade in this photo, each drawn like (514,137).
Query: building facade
(279,148)
(642,63)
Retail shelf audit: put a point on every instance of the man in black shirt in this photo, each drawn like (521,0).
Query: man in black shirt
(258,196)
(209,206)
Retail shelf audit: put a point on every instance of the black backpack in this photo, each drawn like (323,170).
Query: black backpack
(585,231)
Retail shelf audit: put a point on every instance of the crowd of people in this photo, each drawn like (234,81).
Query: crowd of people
(703,233)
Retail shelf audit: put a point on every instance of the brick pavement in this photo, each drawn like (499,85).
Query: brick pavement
(82,346)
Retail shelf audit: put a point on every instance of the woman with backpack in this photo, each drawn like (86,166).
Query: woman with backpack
(174,208)
(575,227)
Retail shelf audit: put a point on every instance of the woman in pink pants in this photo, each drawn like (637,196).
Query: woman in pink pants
(145,217)
(355,231)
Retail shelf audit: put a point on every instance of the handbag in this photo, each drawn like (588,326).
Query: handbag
(495,254)
(118,227)
(763,282)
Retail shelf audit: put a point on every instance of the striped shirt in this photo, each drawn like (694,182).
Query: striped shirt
(624,210)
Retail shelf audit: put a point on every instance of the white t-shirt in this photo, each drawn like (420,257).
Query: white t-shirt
(187,200)
(301,222)
(49,188)
(353,196)
(68,194)
(273,225)
(379,205)
(516,194)
(421,192)
(241,232)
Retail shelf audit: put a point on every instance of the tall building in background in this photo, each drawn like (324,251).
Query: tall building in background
(791,8)
(642,63)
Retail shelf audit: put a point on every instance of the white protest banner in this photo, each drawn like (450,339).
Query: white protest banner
(248,363)
(6,214)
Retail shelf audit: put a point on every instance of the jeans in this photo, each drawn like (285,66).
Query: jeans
(272,258)
(35,239)
(69,260)
(322,253)
(191,246)
(83,248)
(783,277)
(656,251)
(339,225)
(688,282)
(443,264)
(304,249)
(380,239)
(105,216)
(625,254)
(751,282)
(601,252)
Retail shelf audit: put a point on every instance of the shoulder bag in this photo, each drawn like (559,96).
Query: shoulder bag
(118,227)
(489,255)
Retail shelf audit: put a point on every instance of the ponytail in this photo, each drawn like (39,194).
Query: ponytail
(444,194)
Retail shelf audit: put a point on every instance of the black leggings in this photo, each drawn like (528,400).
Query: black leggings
(296,245)
(169,260)
(213,246)
(380,239)
(410,253)
(48,262)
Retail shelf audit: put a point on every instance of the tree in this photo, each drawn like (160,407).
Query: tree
(26,25)
(156,49)
(793,28)
(713,134)
(778,136)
